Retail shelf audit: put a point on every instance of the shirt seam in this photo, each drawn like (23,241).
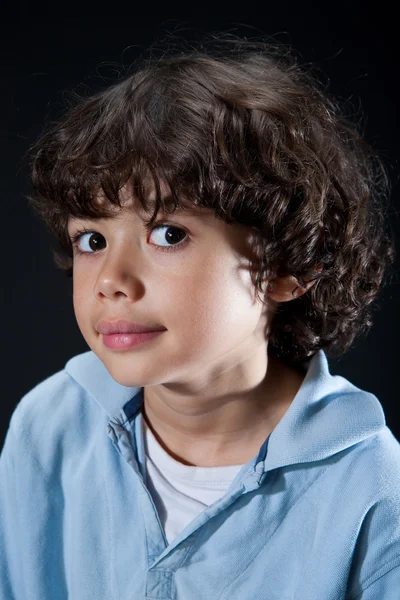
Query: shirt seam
(111,574)
(368,581)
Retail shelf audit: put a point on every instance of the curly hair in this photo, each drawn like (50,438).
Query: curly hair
(239,127)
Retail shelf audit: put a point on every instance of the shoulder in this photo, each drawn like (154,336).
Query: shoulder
(54,416)
(57,397)
(376,478)
(368,472)
(45,399)
(378,459)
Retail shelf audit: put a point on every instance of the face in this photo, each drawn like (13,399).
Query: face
(189,274)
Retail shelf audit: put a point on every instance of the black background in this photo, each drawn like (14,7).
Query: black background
(44,55)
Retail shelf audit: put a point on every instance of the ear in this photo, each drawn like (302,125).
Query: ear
(286,288)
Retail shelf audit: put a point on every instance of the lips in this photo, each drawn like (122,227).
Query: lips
(121,326)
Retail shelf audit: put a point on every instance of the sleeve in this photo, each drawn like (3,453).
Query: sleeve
(375,571)
(386,587)
(32,499)
(11,584)
(31,563)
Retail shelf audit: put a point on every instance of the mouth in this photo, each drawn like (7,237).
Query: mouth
(125,341)
(126,327)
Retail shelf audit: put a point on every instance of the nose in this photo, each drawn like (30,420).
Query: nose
(119,274)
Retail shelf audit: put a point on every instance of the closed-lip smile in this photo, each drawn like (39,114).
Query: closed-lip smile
(121,326)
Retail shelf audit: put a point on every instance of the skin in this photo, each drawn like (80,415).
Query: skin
(212,395)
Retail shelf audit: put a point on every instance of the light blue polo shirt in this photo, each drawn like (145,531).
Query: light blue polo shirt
(314,516)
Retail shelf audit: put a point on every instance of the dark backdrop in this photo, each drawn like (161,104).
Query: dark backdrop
(43,55)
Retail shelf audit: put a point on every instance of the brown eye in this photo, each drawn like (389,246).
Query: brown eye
(96,241)
(89,242)
(172,235)
(91,239)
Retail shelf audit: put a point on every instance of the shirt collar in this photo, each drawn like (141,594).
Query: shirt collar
(327,415)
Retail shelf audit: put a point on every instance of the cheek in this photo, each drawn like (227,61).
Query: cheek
(215,303)
(79,299)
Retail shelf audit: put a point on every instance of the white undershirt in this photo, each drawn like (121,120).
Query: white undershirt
(180,492)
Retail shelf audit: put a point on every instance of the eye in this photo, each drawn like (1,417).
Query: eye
(171,235)
(81,234)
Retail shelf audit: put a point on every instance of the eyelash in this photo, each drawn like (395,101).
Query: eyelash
(78,234)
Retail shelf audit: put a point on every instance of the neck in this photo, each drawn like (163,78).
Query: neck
(221,430)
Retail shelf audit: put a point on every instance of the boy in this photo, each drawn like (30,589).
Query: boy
(201,448)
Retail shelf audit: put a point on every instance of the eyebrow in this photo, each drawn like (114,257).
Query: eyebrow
(195,210)
(185,210)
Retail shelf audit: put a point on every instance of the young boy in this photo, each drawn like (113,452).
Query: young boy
(201,449)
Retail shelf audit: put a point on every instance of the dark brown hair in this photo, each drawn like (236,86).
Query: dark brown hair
(238,127)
